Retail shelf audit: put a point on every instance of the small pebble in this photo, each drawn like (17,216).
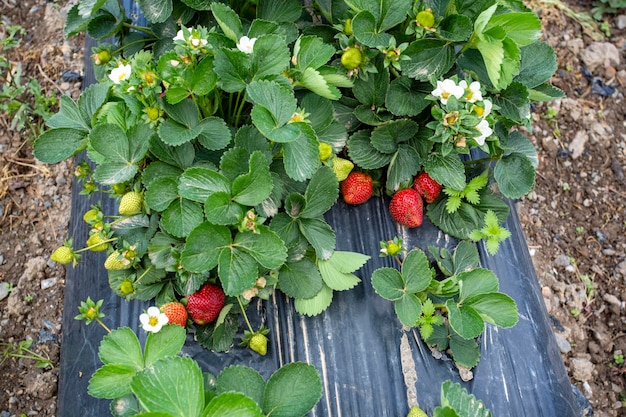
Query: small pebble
(48,283)
(562,261)
(4,290)
(562,343)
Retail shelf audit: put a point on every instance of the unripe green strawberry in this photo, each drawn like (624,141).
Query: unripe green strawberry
(62,255)
(258,343)
(127,287)
(131,203)
(415,411)
(96,243)
(352,57)
(347,28)
(426,19)
(90,216)
(153,113)
(101,58)
(325,151)
(357,188)
(175,312)
(112,263)
(342,168)
(119,189)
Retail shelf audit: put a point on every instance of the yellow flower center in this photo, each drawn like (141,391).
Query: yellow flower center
(154,320)
(450,118)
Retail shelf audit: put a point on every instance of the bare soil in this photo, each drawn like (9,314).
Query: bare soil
(574,220)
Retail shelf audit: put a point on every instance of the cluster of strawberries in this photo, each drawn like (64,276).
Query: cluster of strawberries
(406,206)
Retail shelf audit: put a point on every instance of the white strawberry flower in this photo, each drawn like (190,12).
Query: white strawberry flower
(472,93)
(485,131)
(447,88)
(246,44)
(153,320)
(180,36)
(483,111)
(121,73)
(196,41)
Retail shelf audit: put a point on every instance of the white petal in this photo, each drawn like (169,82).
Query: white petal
(154,311)
(144,319)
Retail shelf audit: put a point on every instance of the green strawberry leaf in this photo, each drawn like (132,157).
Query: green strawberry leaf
(312,51)
(385,138)
(301,157)
(181,217)
(121,347)
(429,58)
(538,63)
(515,175)
(280,10)
(56,145)
(232,404)
(367,32)
(242,379)
(476,282)
(265,246)
(237,270)
(416,272)
(403,167)
(276,98)
(545,92)
(362,152)
(464,320)
(172,385)
(465,352)
(337,270)
(373,90)
(346,262)
(232,68)
(213,134)
(514,103)
(203,247)
(448,171)
(156,11)
(167,342)
(161,192)
(386,13)
(455,28)
(321,193)
(111,381)
(271,56)
(495,308)
(457,397)
(408,309)
(407,97)
(252,188)
(197,184)
(292,391)
(179,156)
(300,279)
(320,235)
(204,78)
(220,208)
(388,283)
(228,21)
(315,305)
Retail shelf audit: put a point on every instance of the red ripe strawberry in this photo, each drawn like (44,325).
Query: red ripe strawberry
(175,312)
(205,304)
(406,207)
(357,188)
(427,187)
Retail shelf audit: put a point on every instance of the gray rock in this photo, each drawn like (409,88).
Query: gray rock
(562,261)
(600,55)
(48,283)
(562,343)
(577,145)
(620,22)
(582,369)
(621,268)
(4,290)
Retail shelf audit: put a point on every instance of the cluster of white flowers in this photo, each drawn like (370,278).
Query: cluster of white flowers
(472,94)
(153,320)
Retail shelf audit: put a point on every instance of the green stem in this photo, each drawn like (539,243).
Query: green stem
(245,316)
(144,274)
(241,101)
(143,29)
(96,244)
(103,325)
(121,48)
(398,260)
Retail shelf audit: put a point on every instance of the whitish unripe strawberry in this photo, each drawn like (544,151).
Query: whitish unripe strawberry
(131,203)
(258,343)
(62,255)
(342,168)
(112,263)
(96,243)
(416,412)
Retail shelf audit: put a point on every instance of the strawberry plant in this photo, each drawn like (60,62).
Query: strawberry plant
(449,307)
(225,128)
